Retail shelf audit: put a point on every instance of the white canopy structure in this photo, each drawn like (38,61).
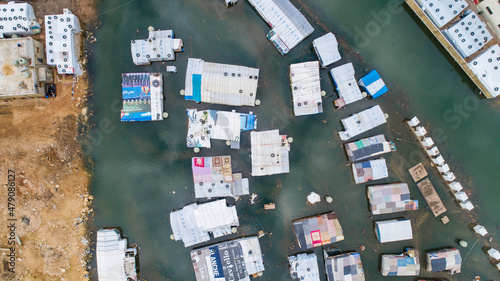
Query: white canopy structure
(393,230)
(494,253)
(467,205)
(193,223)
(442,11)
(18,19)
(481,230)
(461,196)
(456,186)
(290,27)
(346,84)
(62,42)
(362,122)
(306,88)
(159,46)
(468,35)
(114,261)
(327,50)
(221,83)
(486,66)
(269,153)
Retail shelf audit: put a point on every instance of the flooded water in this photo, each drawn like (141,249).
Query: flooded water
(142,170)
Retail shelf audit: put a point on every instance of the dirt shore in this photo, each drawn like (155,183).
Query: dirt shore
(39,145)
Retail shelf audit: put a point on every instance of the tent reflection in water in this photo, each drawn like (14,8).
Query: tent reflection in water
(114,261)
(242,258)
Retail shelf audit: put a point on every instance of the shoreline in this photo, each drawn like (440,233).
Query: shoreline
(41,147)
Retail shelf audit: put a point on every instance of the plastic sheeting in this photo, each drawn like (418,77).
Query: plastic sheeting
(304,267)
(346,85)
(221,83)
(306,88)
(213,178)
(221,125)
(61,42)
(269,153)
(486,66)
(160,46)
(318,230)
(142,97)
(369,147)
(442,11)
(373,84)
(345,267)
(290,27)
(110,255)
(369,170)
(448,260)
(193,223)
(393,230)
(362,122)
(327,50)
(405,264)
(233,260)
(17,18)
(390,198)
(468,35)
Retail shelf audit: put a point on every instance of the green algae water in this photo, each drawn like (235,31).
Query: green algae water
(142,171)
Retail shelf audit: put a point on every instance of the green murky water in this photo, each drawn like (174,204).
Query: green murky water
(138,166)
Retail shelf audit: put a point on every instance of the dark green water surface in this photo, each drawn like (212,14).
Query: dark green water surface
(142,171)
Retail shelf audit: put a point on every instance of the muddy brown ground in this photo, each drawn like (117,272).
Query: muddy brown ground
(39,143)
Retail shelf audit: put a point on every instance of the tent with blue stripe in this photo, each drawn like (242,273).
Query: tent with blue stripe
(373,84)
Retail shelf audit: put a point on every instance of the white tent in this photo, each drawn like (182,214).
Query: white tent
(326,48)
(269,152)
(159,46)
(442,11)
(498,266)
(18,19)
(420,131)
(413,122)
(461,196)
(111,259)
(467,205)
(486,66)
(304,267)
(443,169)
(494,253)
(346,84)
(427,142)
(438,160)
(393,230)
(456,186)
(481,230)
(433,151)
(361,122)
(449,177)
(306,88)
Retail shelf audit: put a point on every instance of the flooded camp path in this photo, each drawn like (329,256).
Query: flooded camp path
(142,170)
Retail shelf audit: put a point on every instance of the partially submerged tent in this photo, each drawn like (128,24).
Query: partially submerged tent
(318,230)
(233,260)
(448,260)
(346,85)
(114,261)
(269,152)
(369,170)
(362,122)
(390,198)
(368,147)
(405,264)
(373,84)
(327,50)
(393,230)
(142,97)
(345,267)
(193,223)
(306,88)
(304,267)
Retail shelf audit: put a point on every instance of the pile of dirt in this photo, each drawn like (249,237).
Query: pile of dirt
(39,144)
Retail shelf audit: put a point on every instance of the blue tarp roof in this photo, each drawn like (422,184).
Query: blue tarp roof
(372,78)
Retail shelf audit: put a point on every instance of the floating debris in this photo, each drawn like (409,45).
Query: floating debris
(270,206)
(193,223)
(463,243)
(171,69)
(328,199)
(313,198)
(236,259)
(326,48)
(405,264)
(318,230)
(361,122)
(304,267)
(269,152)
(445,219)
(345,267)
(448,260)
(253,198)
(368,147)
(306,88)
(142,97)
(369,170)
(390,198)
(213,177)
(61,45)
(290,27)
(160,46)
(393,230)
(221,125)
(114,260)
(221,83)
(346,85)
